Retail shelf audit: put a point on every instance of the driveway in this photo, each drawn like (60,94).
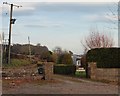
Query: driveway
(59,85)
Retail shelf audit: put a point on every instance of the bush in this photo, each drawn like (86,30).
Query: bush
(64,69)
(105,57)
(65,58)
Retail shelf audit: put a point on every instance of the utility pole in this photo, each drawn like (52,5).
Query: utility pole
(119,24)
(12,21)
(1,51)
(29,48)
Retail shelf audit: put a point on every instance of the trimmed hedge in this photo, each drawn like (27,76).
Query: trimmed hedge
(64,69)
(105,57)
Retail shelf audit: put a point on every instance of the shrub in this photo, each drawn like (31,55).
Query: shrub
(64,69)
(64,58)
(105,57)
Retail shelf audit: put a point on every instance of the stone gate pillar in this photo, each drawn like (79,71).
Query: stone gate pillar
(48,70)
(92,70)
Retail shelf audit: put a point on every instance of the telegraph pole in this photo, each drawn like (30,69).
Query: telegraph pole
(1,51)
(29,48)
(119,24)
(9,40)
(12,21)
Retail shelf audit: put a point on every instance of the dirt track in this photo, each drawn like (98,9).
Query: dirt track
(60,85)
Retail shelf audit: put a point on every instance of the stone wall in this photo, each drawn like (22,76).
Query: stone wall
(29,71)
(23,71)
(108,74)
(48,70)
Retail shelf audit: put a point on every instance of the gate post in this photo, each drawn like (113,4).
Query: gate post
(92,69)
(48,70)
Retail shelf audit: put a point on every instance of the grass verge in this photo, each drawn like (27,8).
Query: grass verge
(17,63)
(81,74)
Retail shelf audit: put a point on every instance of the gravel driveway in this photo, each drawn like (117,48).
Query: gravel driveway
(60,85)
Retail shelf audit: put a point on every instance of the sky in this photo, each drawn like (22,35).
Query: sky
(59,23)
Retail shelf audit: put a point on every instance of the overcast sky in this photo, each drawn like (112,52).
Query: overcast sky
(63,24)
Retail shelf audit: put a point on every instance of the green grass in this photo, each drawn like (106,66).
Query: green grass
(17,63)
(81,74)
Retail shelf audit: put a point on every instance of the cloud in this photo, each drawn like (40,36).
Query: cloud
(71,7)
(95,18)
(0,10)
(61,0)
(99,18)
(26,9)
(35,26)
(43,25)
(92,12)
(29,8)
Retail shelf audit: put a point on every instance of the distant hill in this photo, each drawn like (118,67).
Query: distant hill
(40,51)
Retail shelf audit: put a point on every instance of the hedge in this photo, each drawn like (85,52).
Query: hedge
(105,57)
(64,69)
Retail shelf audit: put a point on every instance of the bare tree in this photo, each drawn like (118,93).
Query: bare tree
(113,15)
(95,39)
(57,50)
